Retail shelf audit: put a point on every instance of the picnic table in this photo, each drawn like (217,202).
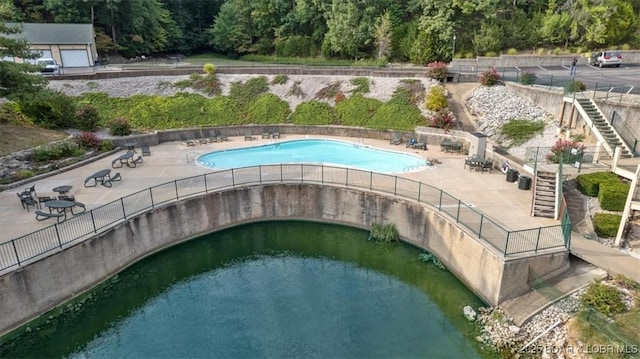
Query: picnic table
(125,159)
(131,146)
(99,176)
(60,205)
(62,189)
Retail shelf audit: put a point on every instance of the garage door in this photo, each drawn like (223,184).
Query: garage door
(74,58)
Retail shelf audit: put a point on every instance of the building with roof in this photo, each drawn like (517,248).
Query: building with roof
(70,45)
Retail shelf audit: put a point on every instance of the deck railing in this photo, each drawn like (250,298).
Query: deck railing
(16,252)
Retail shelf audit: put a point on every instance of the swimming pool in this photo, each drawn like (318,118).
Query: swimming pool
(328,152)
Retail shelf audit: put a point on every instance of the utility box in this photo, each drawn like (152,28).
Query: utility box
(478,145)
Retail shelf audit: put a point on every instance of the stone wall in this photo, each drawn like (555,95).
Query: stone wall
(49,282)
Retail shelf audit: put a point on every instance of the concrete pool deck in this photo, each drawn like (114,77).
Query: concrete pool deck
(488,192)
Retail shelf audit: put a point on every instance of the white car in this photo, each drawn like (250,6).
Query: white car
(48,66)
(606,58)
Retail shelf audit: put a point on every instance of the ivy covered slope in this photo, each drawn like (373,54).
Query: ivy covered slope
(347,102)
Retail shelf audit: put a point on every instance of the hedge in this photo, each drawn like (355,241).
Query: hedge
(606,224)
(268,108)
(357,110)
(314,113)
(589,184)
(397,116)
(613,195)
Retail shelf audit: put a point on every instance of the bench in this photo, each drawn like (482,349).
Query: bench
(109,181)
(79,205)
(41,216)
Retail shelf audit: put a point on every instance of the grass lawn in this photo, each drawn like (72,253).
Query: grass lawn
(16,138)
(603,332)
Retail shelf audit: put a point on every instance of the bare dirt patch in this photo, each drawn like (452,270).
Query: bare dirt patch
(16,138)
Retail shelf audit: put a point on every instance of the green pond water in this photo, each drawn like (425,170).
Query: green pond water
(275,289)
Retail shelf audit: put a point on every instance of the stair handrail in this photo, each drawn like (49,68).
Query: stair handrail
(590,123)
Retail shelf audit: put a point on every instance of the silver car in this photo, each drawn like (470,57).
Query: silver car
(606,58)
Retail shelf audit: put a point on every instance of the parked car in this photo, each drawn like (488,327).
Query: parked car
(48,66)
(606,58)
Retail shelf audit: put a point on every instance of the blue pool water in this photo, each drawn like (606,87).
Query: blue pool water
(326,152)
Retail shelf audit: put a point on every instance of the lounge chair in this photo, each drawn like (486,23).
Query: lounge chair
(396,139)
(145,150)
(220,136)
(185,141)
(248,136)
(275,134)
(422,144)
(266,135)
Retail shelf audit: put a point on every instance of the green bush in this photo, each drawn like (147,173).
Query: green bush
(64,149)
(314,113)
(398,116)
(247,92)
(574,86)
(120,127)
(512,51)
(603,298)
(589,183)
(490,77)
(268,108)
(107,145)
(209,69)
(606,224)
(361,85)
(23,174)
(528,78)
(87,117)
(410,91)
(209,84)
(49,109)
(10,115)
(520,131)
(357,110)
(223,111)
(295,46)
(279,80)
(383,232)
(437,70)
(436,99)
(613,195)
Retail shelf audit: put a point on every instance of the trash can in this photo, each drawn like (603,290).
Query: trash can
(512,175)
(524,183)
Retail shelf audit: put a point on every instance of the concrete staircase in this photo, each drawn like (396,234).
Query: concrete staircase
(602,126)
(544,195)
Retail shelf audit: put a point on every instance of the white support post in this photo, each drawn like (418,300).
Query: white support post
(627,207)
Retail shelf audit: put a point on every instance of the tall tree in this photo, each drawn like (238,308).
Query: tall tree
(383,34)
(16,79)
(350,26)
(232,31)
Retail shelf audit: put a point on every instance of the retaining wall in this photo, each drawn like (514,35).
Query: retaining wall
(49,282)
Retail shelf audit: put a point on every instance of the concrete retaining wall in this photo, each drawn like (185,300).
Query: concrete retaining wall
(628,56)
(42,285)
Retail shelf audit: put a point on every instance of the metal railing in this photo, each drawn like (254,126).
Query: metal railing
(16,252)
(626,133)
(547,155)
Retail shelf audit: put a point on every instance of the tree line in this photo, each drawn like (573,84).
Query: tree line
(418,31)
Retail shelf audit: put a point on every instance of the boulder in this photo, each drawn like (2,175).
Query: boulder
(469,313)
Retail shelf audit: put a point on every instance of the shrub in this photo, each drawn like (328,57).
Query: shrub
(49,109)
(269,108)
(23,174)
(625,282)
(469,55)
(603,298)
(409,91)
(589,183)
(490,77)
(248,92)
(87,140)
(574,86)
(10,115)
(279,80)
(399,116)
(209,69)
(491,54)
(313,113)
(357,110)
(339,97)
(209,84)
(512,51)
(564,149)
(520,131)
(329,92)
(437,70)
(436,99)
(606,224)
(296,90)
(107,145)
(383,232)
(528,78)
(57,151)
(120,127)
(87,117)
(361,85)
(613,195)
(442,119)
(557,51)
(223,110)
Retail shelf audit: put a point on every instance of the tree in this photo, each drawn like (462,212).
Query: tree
(232,30)
(383,34)
(17,79)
